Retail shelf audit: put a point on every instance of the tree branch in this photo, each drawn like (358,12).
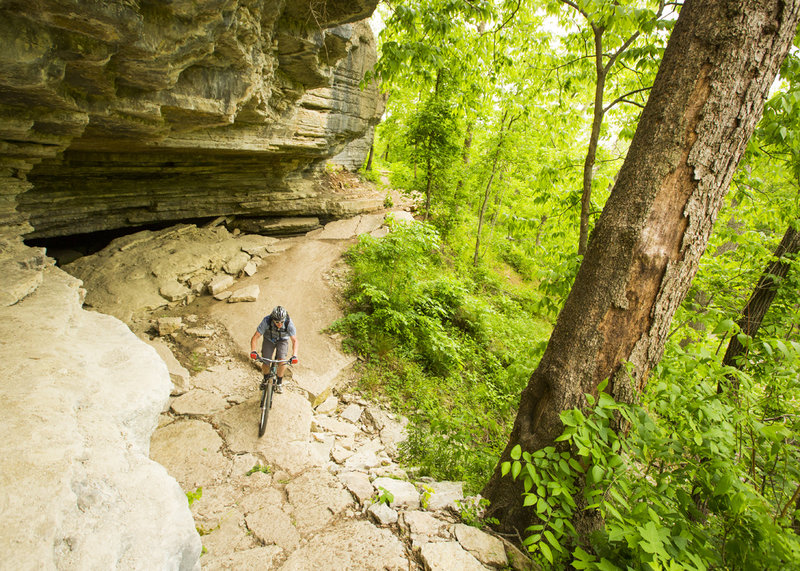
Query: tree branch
(624,99)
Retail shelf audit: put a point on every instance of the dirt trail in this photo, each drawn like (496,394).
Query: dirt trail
(298,279)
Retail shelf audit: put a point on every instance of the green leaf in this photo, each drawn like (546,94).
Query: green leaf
(515,469)
(516,452)
(543,547)
(553,541)
(725,326)
(504,468)
(723,485)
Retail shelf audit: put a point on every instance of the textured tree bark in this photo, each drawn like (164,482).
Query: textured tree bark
(763,295)
(708,95)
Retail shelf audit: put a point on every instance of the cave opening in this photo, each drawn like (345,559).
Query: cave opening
(68,248)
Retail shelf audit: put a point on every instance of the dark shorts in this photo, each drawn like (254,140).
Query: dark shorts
(279,348)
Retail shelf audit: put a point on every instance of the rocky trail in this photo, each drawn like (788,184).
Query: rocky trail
(306,495)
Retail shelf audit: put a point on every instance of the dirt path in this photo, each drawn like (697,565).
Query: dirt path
(304,495)
(208,439)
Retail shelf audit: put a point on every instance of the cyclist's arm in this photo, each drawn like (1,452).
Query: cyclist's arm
(295,345)
(254,341)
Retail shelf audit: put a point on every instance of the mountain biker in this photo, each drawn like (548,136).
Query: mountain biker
(276,329)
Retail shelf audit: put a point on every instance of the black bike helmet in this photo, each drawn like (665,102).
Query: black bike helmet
(278,314)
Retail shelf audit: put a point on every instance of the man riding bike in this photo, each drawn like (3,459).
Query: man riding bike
(276,329)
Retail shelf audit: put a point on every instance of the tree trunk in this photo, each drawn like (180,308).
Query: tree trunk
(487,193)
(708,95)
(763,294)
(369,157)
(594,138)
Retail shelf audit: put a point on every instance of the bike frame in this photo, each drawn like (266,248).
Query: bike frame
(267,391)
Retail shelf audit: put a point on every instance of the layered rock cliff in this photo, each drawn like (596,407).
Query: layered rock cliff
(122,114)
(125,113)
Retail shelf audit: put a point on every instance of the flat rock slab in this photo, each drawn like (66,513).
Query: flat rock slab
(256,558)
(447,556)
(350,545)
(486,548)
(444,495)
(352,413)
(286,441)
(190,451)
(359,485)
(334,426)
(405,493)
(229,379)
(316,496)
(198,402)
(272,525)
(421,524)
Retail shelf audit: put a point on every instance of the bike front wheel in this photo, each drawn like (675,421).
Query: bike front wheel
(266,404)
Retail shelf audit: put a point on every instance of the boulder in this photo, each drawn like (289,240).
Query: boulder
(78,488)
(486,548)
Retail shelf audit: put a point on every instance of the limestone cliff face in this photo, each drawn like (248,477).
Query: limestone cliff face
(121,113)
(116,114)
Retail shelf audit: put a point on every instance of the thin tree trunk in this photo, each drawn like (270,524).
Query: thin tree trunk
(762,296)
(717,69)
(428,188)
(594,138)
(465,162)
(369,156)
(488,191)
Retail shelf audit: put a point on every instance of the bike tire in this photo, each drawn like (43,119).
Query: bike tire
(266,404)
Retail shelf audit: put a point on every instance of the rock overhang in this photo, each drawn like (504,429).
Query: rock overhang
(118,115)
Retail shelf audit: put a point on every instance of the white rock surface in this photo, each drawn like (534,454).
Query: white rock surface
(359,485)
(447,556)
(405,494)
(190,450)
(486,548)
(352,413)
(350,544)
(248,293)
(198,402)
(178,373)
(328,406)
(444,495)
(220,283)
(77,488)
(382,514)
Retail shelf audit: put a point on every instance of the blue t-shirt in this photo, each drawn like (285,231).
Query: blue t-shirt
(269,331)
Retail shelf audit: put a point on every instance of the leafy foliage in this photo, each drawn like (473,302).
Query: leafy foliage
(700,478)
(451,352)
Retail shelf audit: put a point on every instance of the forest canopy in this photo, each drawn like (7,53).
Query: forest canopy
(508,123)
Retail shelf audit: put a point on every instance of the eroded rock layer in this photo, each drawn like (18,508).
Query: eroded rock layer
(116,114)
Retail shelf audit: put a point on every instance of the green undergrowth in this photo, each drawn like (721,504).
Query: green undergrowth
(445,344)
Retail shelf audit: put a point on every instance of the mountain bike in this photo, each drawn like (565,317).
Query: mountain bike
(267,390)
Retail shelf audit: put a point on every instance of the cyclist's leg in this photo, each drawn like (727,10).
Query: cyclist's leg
(267,350)
(281,350)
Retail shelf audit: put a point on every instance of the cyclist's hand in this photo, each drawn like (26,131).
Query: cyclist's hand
(293,360)
(253,355)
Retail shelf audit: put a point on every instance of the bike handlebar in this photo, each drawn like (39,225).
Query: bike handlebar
(270,361)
